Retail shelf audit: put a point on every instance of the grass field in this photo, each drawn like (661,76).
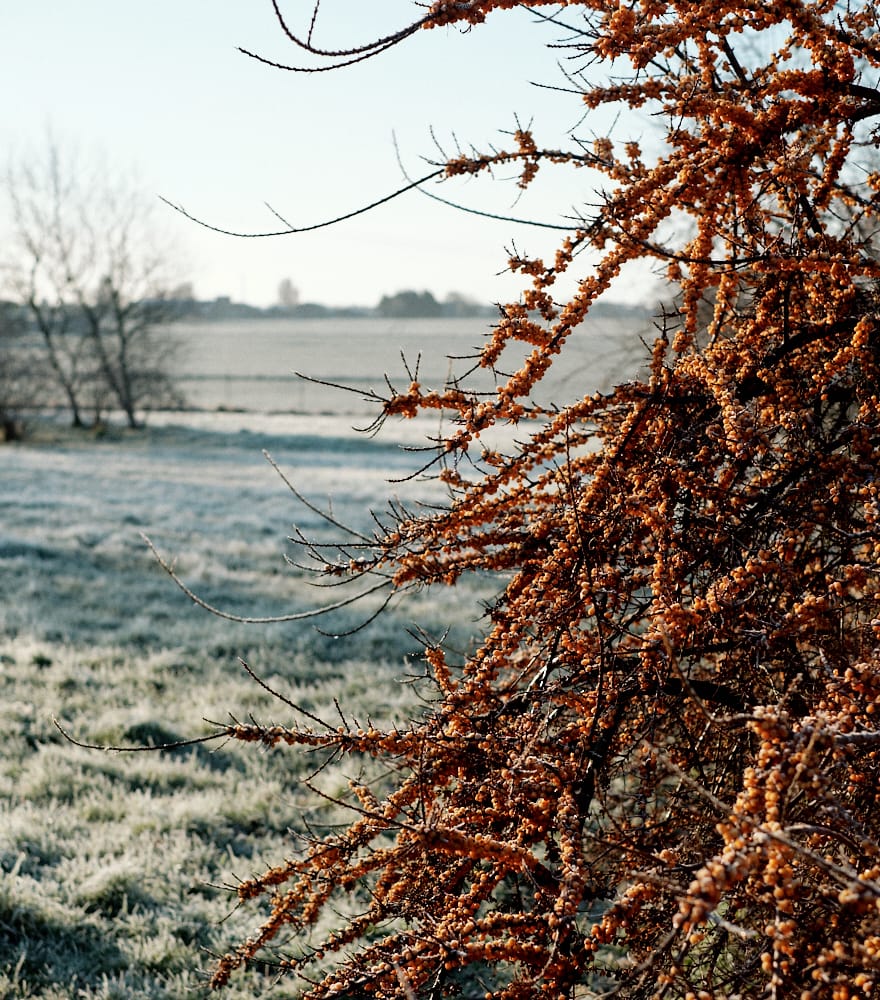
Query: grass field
(112,866)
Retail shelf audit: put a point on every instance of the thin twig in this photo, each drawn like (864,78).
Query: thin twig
(268,620)
(175,745)
(303,229)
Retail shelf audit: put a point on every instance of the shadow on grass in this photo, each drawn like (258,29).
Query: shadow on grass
(48,946)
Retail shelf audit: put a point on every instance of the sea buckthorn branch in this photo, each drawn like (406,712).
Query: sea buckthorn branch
(657,773)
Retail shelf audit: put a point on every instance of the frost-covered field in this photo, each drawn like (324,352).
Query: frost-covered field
(253,364)
(108,862)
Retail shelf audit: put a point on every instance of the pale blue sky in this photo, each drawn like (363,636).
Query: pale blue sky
(161,89)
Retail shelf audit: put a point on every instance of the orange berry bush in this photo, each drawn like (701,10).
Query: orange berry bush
(657,776)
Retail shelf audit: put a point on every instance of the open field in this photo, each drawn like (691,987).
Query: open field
(112,866)
(252,365)
(109,864)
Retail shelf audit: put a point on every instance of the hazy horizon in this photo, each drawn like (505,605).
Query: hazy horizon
(170,99)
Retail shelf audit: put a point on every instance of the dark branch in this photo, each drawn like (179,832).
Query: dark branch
(303,229)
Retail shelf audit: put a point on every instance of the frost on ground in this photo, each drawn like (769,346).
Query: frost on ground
(112,866)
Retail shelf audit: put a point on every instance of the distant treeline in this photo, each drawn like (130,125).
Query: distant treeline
(402,305)
(405,304)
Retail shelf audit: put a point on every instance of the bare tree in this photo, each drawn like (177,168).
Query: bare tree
(22,373)
(85,263)
(288,294)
